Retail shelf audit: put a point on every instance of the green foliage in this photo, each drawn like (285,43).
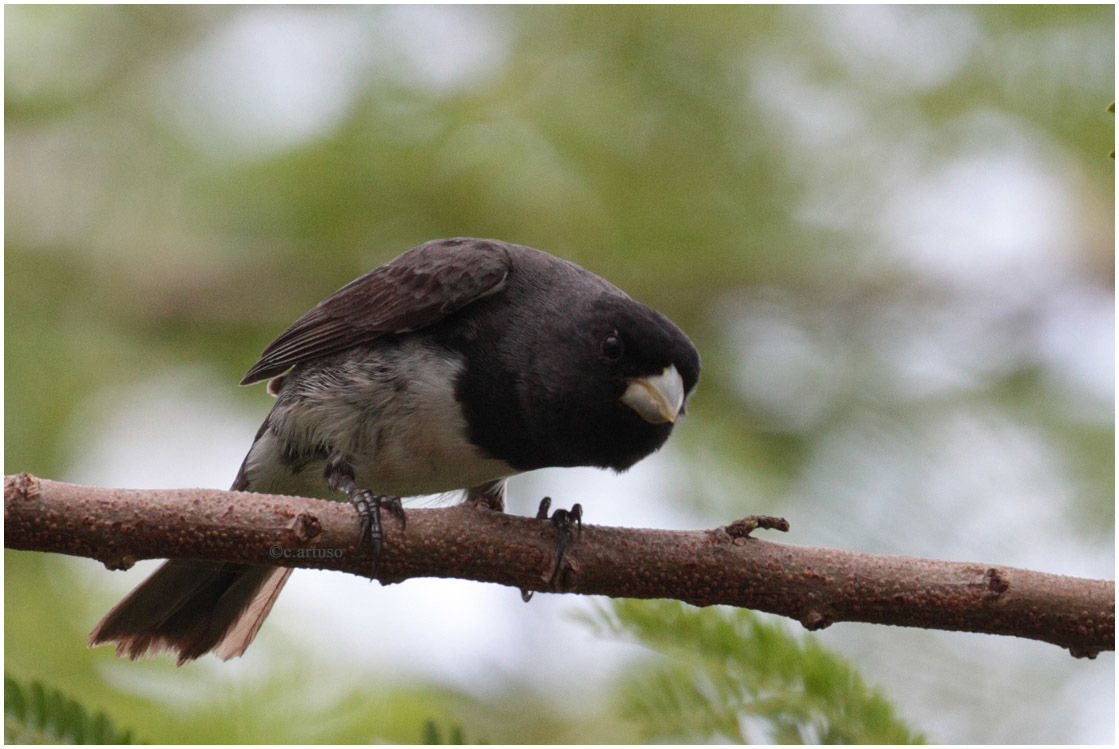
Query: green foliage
(732,676)
(454,734)
(36,714)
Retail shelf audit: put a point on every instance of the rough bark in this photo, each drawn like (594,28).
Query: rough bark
(724,565)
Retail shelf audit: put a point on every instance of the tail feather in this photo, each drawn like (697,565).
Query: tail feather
(247,620)
(193,607)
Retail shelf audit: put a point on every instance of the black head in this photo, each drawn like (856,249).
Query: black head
(607,381)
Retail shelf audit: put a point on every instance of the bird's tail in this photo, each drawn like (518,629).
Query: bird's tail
(192,608)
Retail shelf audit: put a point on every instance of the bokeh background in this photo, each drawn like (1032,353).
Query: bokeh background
(889,230)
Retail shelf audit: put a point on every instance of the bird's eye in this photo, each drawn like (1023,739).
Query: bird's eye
(612,348)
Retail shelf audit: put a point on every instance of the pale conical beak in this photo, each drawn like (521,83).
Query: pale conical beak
(657,398)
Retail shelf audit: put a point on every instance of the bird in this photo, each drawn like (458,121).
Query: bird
(454,366)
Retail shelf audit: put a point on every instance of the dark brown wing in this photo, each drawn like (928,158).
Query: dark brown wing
(414,290)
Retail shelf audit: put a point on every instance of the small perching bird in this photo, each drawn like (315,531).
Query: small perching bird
(453,366)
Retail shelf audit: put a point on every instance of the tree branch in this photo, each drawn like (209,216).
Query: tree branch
(817,587)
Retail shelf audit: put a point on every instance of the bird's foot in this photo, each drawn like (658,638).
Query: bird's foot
(340,478)
(368,506)
(569,523)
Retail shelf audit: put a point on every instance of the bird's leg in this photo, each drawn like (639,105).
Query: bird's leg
(569,523)
(340,478)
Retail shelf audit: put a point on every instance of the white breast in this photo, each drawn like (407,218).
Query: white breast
(392,415)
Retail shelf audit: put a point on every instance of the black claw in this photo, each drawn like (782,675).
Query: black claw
(366,514)
(569,523)
(368,506)
(369,512)
(340,477)
(564,519)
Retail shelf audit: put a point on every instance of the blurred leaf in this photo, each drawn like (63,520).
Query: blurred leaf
(454,734)
(730,676)
(36,714)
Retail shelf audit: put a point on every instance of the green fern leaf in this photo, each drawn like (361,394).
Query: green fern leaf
(728,675)
(35,714)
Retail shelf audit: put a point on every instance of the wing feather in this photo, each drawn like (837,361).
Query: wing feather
(412,291)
